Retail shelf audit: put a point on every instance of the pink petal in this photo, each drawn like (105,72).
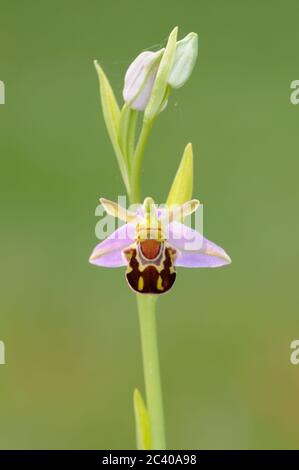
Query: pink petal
(195,251)
(108,253)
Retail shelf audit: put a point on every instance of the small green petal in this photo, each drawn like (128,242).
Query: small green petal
(143,433)
(111,113)
(160,86)
(182,186)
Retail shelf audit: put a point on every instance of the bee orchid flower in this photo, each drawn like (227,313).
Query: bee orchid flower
(152,243)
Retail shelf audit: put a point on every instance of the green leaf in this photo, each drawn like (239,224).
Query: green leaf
(159,89)
(111,113)
(182,186)
(143,432)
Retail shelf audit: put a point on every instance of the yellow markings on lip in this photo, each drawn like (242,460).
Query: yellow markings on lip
(159,283)
(145,230)
(140,283)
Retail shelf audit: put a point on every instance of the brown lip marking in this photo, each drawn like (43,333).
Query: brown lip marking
(155,279)
(150,248)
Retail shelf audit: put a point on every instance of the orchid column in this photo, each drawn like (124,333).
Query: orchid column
(152,242)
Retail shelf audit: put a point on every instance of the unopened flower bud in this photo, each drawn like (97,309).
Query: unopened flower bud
(152,74)
(185,58)
(140,78)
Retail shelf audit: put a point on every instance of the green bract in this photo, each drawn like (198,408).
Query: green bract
(159,91)
(111,113)
(143,432)
(182,186)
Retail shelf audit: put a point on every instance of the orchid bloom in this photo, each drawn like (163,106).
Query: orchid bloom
(152,243)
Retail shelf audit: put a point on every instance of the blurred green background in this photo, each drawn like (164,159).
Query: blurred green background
(70,329)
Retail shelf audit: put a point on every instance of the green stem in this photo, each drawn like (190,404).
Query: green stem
(147,320)
(137,161)
(147,317)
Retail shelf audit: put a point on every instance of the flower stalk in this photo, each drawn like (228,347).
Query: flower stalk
(146,305)
(137,161)
(147,321)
